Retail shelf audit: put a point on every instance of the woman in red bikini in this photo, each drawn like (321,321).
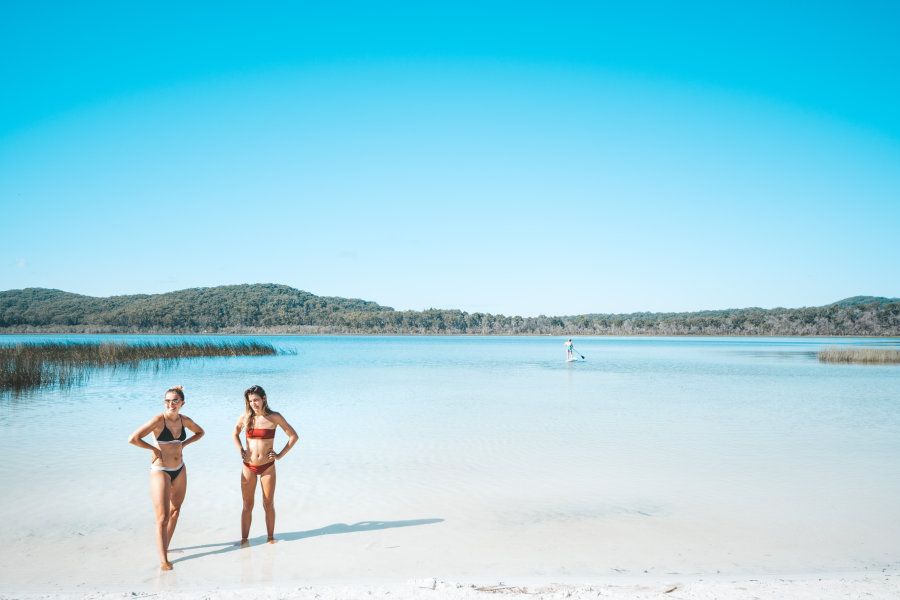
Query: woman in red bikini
(168,475)
(259,456)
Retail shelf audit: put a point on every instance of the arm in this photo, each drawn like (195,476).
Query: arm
(196,429)
(143,431)
(291,433)
(237,437)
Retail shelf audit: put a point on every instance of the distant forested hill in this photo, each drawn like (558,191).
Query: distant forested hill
(198,309)
(270,308)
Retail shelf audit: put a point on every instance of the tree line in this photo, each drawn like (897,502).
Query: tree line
(270,308)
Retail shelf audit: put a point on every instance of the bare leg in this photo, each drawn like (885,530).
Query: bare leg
(178,490)
(267,480)
(159,493)
(248,490)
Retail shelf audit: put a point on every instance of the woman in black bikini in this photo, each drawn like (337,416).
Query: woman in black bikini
(259,457)
(168,476)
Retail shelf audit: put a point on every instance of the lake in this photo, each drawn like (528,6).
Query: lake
(467,457)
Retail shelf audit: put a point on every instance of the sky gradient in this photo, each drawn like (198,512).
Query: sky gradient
(523,159)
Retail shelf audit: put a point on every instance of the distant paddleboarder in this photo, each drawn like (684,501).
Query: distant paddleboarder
(570,351)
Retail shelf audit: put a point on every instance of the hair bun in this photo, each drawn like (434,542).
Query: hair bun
(178,387)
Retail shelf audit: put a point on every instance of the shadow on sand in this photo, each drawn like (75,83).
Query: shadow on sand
(290,536)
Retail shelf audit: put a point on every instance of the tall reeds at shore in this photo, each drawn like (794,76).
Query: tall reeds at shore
(42,364)
(875,356)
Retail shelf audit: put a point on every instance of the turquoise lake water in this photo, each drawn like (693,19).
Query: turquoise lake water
(475,456)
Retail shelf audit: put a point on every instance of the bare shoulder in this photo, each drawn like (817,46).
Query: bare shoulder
(155,423)
(276,417)
(280,421)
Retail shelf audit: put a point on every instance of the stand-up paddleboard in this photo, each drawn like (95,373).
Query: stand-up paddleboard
(571,359)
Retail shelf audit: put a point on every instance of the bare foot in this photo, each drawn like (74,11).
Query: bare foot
(166,566)
(244,543)
(271,540)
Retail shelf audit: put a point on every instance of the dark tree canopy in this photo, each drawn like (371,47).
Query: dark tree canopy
(271,308)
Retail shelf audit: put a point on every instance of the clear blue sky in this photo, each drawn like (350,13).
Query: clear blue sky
(556,158)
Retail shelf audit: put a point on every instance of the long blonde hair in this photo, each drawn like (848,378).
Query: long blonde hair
(248,411)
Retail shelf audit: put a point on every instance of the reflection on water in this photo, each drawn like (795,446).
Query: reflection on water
(801,355)
(658,454)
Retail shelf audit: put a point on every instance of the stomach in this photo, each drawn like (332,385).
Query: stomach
(171,455)
(258,451)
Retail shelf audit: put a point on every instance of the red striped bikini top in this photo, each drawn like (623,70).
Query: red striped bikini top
(261,434)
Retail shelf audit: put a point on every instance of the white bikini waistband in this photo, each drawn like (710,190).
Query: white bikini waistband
(158,468)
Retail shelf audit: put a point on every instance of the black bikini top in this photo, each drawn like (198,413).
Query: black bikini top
(166,435)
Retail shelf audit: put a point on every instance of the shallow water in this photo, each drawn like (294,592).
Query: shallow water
(471,457)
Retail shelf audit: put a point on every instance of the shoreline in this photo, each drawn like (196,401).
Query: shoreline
(7,332)
(808,586)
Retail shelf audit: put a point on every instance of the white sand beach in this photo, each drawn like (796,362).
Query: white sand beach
(382,559)
(830,587)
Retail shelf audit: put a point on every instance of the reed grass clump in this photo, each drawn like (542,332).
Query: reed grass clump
(875,356)
(32,365)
